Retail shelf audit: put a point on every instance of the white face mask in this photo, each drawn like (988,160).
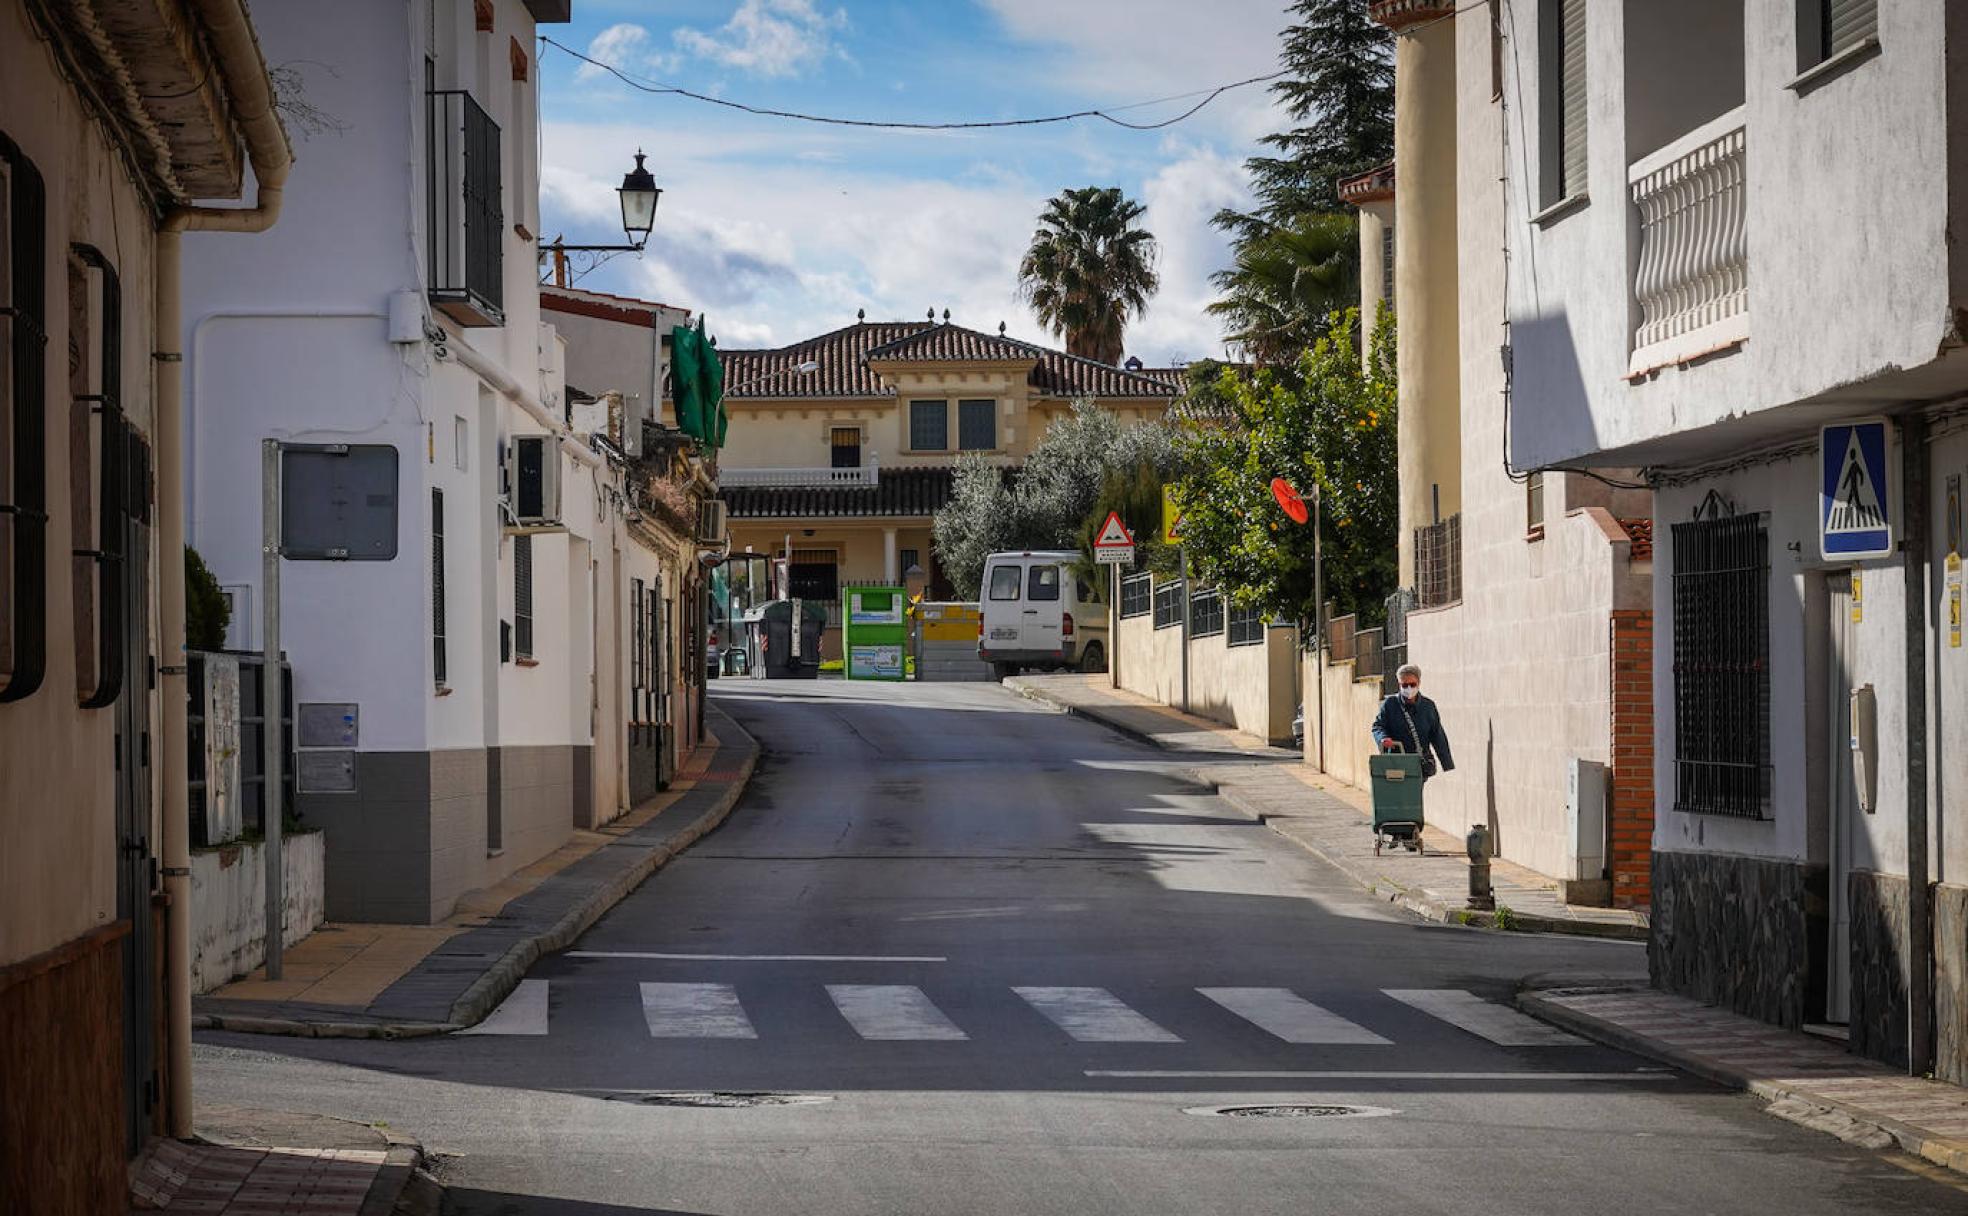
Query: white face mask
(1410,691)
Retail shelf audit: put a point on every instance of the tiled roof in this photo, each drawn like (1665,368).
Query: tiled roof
(1374,186)
(915,490)
(605,306)
(1641,533)
(844,356)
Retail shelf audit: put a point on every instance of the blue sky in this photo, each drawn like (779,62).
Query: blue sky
(778,230)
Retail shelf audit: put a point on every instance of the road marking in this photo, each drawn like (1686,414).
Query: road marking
(892,1011)
(1642,1074)
(1500,1024)
(1291,1017)
(522,1012)
(761,958)
(1094,1015)
(695,1011)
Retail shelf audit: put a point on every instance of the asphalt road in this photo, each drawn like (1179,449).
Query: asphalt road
(991,959)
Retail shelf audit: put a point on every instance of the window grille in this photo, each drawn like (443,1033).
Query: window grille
(1206,614)
(1387,263)
(929,426)
(1534,504)
(1561,59)
(100,528)
(1438,563)
(1246,626)
(523,596)
(1722,667)
(1137,595)
(24,477)
(439,656)
(977,426)
(845,442)
(638,645)
(1168,605)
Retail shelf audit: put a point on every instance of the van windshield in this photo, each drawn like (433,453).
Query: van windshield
(1045,583)
(1004,582)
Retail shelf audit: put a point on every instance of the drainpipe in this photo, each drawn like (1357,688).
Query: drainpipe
(251,94)
(1920,913)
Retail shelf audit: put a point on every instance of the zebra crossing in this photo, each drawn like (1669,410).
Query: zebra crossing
(1084,1014)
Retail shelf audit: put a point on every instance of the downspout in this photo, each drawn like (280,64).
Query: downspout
(509,388)
(244,71)
(1920,916)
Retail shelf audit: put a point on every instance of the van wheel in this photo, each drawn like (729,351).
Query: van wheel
(1094,658)
(1000,670)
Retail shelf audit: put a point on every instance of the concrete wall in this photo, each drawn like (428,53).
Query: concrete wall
(1253,688)
(1349,708)
(1844,279)
(228,905)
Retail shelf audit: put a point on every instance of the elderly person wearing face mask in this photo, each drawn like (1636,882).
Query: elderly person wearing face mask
(1410,722)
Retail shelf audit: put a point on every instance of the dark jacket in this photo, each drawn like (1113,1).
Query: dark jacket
(1391,723)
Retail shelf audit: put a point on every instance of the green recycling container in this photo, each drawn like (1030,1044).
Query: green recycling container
(874,632)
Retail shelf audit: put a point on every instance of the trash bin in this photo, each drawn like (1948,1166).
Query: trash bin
(776,629)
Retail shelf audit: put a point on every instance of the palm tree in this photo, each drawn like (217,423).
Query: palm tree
(1285,282)
(1089,268)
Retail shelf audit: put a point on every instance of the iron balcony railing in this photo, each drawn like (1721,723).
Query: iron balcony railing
(465,218)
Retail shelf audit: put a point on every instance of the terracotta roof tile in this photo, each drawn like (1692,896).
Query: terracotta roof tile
(1641,533)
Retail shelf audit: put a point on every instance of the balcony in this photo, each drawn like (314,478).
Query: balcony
(464,218)
(800,478)
(1692,279)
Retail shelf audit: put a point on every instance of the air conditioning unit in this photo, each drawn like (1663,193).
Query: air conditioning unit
(710,522)
(533,479)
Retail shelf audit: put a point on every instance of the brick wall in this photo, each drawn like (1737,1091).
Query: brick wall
(1632,828)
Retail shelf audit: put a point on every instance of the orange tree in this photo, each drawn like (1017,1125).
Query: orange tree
(1328,424)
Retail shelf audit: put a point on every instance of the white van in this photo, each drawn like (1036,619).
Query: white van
(1034,613)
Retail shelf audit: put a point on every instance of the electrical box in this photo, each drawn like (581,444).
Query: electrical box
(338,502)
(1585,819)
(533,478)
(1865,746)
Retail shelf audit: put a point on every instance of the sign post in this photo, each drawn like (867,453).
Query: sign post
(1113,547)
(1172,535)
(271,802)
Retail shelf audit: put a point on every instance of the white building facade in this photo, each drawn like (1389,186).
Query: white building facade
(405,323)
(1731,225)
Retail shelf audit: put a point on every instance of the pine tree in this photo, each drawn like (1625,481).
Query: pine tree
(1341,95)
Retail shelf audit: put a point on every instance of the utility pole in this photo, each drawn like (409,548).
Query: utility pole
(270,698)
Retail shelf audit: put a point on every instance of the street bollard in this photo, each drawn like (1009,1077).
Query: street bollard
(1477,844)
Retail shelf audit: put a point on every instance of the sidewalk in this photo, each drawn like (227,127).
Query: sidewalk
(264,1163)
(397,981)
(1332,820)
(1804,1078)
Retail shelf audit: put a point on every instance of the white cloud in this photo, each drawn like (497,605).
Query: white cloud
(624,46)
(769,37)
(1181,198)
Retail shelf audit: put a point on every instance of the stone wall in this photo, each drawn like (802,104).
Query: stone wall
(1951,983)
(1743,933)
(1879,965)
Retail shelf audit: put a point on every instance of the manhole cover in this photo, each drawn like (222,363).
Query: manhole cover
(1291,1110)
(719,1100)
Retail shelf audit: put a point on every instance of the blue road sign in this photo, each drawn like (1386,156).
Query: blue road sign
(1855,505)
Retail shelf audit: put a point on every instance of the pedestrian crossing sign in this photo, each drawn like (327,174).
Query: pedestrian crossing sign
(1855,512)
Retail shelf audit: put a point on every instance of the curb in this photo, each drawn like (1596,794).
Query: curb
(1424,906)
(1798,1104)
(503,976)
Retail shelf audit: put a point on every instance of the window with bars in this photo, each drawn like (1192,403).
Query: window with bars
(1206,614)
(815,575)
(844,443)
(523,596)
(23,423)
(439,657)
(909,560)
(977,426)
(1562,84)
(1137,595)
(1534,505)
(1168,605)
(1829,28)
(929,426)
(100,504)
(1722,667)
(638,646)
(1387,263)
(1246,626)
(1438,563)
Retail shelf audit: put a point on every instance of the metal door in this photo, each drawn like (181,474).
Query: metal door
(1045,609)
(136,868)
(1842,807)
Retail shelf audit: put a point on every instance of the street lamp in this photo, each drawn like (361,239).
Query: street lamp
(638,193)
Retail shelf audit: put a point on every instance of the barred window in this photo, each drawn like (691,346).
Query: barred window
(438,649)
(1168,605)
(1206,614)
(1246,626)
(1137,595)
(23,424)
(523,596)
(638,649)
(929,426)
(1438,562)
(977,426)
(1722,667)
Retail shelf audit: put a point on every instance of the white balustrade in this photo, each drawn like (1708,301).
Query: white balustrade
(1692,281)
(800,478)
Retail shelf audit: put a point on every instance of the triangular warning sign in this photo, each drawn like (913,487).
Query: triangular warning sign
(1113,533)
(1855,503)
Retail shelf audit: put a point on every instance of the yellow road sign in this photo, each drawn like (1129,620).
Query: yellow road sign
(1171,519)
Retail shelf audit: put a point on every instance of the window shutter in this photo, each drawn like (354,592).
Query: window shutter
(1572,98)
(1848,23)
(523,596)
